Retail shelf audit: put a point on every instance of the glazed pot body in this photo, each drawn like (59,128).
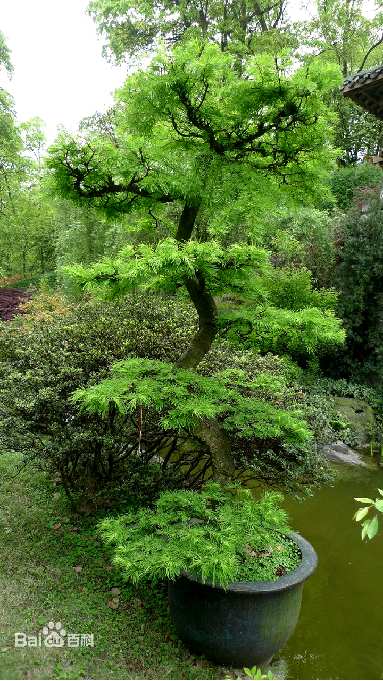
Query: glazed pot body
(245,624)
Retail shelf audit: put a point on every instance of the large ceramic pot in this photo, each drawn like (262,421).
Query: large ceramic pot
(246,623)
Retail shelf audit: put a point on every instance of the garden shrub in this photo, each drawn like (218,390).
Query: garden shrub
(46,355)
(359,282)
(290,317)
(292,289)
(346,181)
(302,334)
(306,239)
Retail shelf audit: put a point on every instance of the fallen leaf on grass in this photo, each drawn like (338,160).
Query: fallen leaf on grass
(77,568)
(114,603)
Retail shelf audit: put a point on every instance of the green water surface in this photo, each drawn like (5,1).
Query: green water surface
(340,631)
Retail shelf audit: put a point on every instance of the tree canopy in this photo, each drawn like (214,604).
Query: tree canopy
(131,27)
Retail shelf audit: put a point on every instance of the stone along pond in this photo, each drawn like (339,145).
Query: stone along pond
(339,632)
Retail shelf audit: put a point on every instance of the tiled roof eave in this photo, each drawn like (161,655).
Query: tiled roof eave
(366,89)
(363,79)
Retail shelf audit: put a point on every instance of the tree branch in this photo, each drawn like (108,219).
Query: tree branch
(379,42)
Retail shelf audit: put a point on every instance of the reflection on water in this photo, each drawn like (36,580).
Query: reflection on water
(340,632)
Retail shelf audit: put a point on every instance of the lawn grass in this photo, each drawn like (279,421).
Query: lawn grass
(41,545)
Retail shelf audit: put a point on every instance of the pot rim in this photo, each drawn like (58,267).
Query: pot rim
(302,572)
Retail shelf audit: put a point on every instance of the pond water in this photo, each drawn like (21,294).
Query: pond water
(339,634)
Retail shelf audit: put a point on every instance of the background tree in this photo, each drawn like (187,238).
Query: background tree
(5,55)
(11,163)
(343,32)
(34,141)
(27,233)
(132,27)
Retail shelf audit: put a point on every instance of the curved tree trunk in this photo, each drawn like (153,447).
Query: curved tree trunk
(209,432)
(206,308)
(201,298)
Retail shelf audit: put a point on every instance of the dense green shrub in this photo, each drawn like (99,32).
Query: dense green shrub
(219,535)
(346,181)
(54,349)
(44,358)
(292,289)
(302,334)
(290,317)
(360,285)
(305,238)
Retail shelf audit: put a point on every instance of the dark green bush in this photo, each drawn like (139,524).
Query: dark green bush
(346,181)
(305,238)
(359,282)
(43,360)
(45,357)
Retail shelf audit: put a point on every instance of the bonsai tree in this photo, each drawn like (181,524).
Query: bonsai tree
(235,572)
(198,153)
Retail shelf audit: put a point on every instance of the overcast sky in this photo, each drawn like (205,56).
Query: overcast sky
(59,72)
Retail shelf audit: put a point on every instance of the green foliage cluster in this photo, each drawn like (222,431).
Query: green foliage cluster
(307,332)
(184,399)
(44,358)
(166,265)
(58,347)
(346,182)
(370,525)
(257,673)
(28,233)
(360,302)
(301,334)
(219,535)
(305,238)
